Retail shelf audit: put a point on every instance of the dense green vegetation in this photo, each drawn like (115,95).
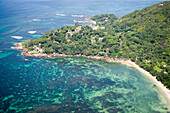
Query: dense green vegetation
(142,36)
(104,19)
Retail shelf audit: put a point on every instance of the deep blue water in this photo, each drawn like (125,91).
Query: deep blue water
(67,84)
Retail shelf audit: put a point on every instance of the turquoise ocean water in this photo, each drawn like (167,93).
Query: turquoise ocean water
(71,85)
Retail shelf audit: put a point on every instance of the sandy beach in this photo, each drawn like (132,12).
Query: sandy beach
(162,88)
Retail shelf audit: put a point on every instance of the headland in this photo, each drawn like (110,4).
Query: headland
(128,62)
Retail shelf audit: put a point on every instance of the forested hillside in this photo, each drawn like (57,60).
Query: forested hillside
(142,36)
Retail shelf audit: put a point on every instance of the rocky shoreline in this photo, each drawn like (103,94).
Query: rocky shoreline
(125,61)
(27,53)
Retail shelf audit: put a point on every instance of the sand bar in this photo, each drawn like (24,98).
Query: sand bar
(60,14)
(32,32)
(36,20)
(17,37)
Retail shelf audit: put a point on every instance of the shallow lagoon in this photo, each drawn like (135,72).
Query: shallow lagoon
(74,85)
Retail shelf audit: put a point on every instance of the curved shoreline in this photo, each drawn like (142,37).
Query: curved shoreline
(162,88)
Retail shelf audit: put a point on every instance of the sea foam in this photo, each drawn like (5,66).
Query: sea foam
(17,37)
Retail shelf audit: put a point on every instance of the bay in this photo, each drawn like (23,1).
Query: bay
(68,84)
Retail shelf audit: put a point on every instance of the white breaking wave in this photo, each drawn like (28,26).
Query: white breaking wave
(32,32)
(36,19)
(17,37)
(60,14)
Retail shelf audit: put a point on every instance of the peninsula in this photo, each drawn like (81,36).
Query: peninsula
(139,39)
